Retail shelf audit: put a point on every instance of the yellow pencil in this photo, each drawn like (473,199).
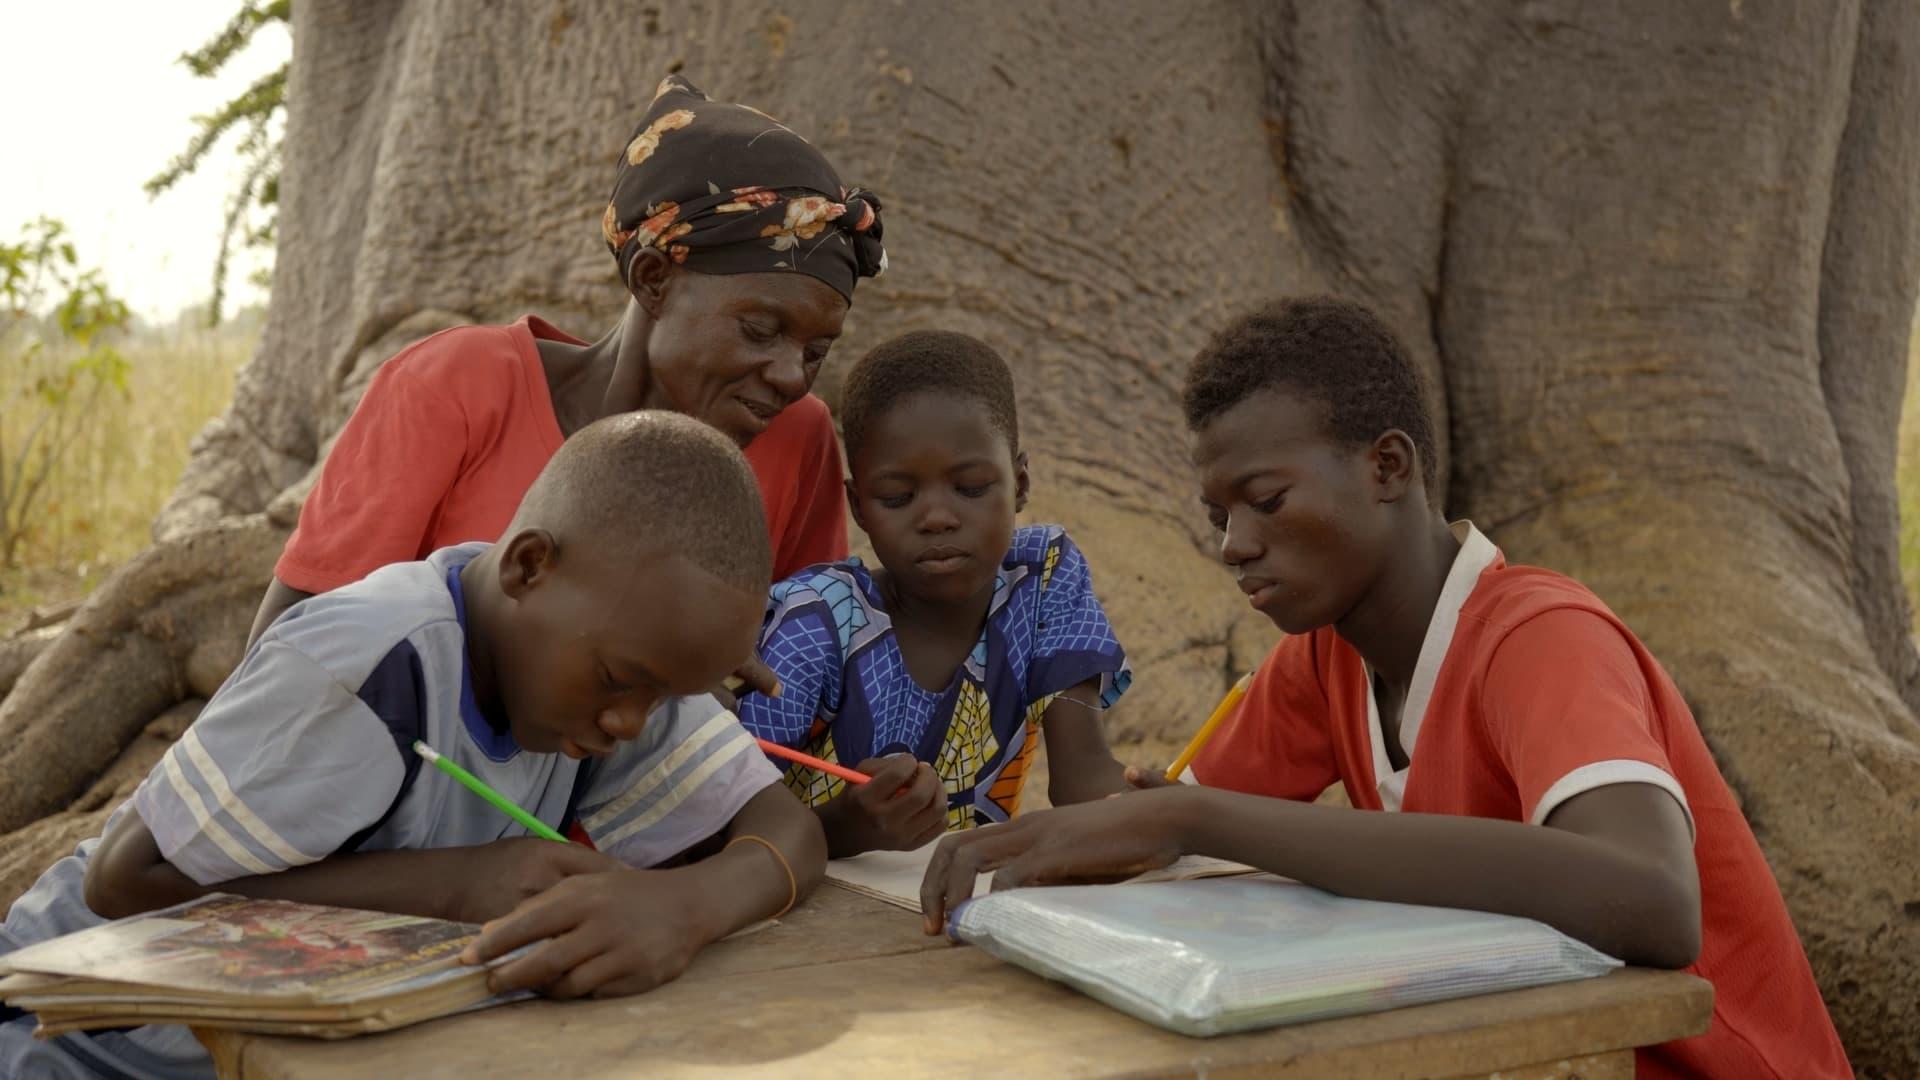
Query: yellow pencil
(1220,713)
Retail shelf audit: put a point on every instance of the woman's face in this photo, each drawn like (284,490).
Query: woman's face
(732,350)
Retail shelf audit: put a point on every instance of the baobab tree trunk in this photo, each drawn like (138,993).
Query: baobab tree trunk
(1659,261)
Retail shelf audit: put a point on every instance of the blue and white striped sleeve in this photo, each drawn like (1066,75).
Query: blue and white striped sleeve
(680,782)
(281,768)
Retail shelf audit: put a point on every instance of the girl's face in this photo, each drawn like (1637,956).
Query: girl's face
(936,487)
(733,350)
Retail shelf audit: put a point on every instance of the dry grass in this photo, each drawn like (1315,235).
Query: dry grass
(101,498)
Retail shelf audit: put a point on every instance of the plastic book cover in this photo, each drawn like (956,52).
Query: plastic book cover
(239,947)
(1233,954)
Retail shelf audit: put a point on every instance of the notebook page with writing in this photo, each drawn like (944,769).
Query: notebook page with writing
(894,877)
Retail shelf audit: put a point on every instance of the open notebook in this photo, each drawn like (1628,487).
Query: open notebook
(894,876)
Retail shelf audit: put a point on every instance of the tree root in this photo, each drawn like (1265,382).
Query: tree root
(169,624)
(26,852)
(20,650)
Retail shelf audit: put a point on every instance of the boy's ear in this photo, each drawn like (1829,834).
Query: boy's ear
(853,503)
(647,277)
(1395,465)
(527,561)
(1021,481)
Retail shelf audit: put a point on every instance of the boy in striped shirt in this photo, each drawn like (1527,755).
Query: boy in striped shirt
(564,666)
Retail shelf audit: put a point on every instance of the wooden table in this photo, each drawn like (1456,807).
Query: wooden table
(894,1002)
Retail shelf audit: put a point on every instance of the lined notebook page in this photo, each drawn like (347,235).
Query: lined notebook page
(894,876)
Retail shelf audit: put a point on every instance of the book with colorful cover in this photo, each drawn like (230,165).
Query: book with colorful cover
(255,965)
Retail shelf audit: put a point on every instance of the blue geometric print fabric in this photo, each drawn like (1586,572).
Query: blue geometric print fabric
(847,696)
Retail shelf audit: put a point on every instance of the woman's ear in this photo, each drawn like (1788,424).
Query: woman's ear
(1395,465)
(527,561)
(1021,481)
(648,273)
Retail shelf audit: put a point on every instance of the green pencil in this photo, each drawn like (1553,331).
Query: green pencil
(473,783)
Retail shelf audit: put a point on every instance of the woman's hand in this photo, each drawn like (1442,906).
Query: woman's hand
(756,677)
(752,677)
(1105,840)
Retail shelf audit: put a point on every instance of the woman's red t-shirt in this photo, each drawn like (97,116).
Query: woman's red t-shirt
(452,431)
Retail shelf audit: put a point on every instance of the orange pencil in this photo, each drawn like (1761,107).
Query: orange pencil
(851,776)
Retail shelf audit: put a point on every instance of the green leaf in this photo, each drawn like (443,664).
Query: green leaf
(208,59)
(256,110)
(261,101)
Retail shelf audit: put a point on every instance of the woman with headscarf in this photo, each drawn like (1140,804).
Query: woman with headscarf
(739,249)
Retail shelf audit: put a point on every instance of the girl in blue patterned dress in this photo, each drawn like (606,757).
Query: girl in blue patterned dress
(935,671)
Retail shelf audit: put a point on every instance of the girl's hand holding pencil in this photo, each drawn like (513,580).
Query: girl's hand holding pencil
(891,803)
(903,807)
(851,776)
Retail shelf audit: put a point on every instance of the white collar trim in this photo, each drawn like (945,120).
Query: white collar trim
(1475,555)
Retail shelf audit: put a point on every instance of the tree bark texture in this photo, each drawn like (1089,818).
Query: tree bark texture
(1658,261)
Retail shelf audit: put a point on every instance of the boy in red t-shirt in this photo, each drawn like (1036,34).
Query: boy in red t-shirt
(1535,759)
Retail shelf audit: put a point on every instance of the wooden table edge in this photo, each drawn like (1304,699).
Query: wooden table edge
(1593,1021)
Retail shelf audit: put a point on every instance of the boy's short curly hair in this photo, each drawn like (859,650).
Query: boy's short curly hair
(1331,350)
(937,361)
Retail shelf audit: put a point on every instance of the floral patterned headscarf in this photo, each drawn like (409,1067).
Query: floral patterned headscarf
(727,189)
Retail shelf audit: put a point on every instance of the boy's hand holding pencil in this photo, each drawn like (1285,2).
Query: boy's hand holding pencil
(1142,778)
(1199,741)
(496,878)
(499,876)
(603,935)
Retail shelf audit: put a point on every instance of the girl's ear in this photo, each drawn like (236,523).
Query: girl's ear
(647,277)
(853,503)
(1021,481)
(1394,464)
(528,560)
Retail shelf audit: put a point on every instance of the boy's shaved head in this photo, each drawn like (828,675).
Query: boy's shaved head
(1329,350)
(635,570)
(655,481)
(939,361)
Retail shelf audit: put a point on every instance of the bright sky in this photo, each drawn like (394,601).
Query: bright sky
(92,104)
